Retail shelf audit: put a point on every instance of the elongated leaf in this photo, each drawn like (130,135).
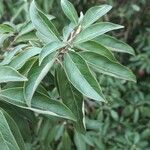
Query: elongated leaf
(36,75)
(4,37)
(43,38)
(3,143)
(10,137)
(69,11)
(95,30)
(104,65)
(31,36)
(93,14)
(67,31)
(80,76)
(28,65)
(71,98)
(26,28)
(114,44)
(4,28)
(49,48)
(8,74)
(79,141)
(96,48)
(42,23)
(11,54)
(41,103)
(21,59)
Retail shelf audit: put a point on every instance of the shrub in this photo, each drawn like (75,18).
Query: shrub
(44,74)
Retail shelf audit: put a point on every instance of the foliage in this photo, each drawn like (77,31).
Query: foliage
(51,77)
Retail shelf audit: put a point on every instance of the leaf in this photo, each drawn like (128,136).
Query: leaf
(41,103)
(43,38)
(114,44)
(96,48)
(3,38)
(69,11)
(80,76)
(71,98)
(93,14)
(66,141)
(21,58)
(79,141)
(26,28)
(67,31)
(27,66)
(10,137)
(12,53)
(36,75)
(4,28)
(104,65)
(8,74)
(49,48)
(42,23)
(95,30)
(31,36)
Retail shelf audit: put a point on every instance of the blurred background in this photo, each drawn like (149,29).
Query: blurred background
(123,123)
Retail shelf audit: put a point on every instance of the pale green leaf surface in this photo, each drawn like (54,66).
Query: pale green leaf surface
(9,132)
(43,38)
(12,53)
(96,48)
(104,65)
(36,75)
(49,48)
(95,30)
(114,44)
(67,31)
(69,11)
(8,74)
(41,103)
(42,23)
(80,76)
(4,28)
(21,58)
(93,14)
(71,98)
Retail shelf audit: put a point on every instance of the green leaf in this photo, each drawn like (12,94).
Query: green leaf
(79,141)
(80,76)
(95,30)
(10,137)
(69,11)
(93,14)
(36,75)
(3,38)
(41,103)
(12,53)
(42,23)
(49,48)
(67,31)
(25,28)
(28,65)
(21,58)
(71,98)
(4,28)
(8,74)
(43,38)
(104,65)
(96,48)
(66,141)
(31,36)
(114,44)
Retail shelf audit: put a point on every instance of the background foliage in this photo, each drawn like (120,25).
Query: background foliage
(124,122)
